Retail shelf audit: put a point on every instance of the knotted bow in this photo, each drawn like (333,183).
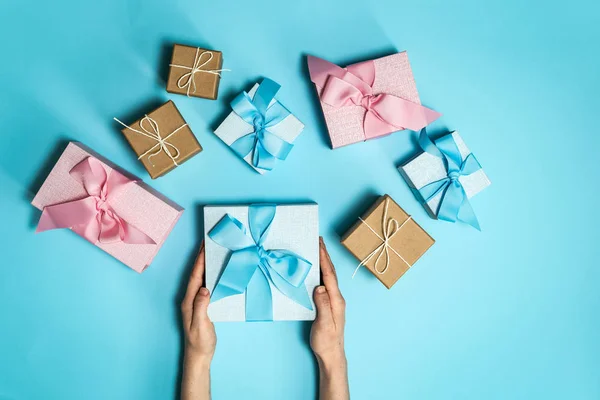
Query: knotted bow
(251,267)
(454,204)
(353,85)
(162,144)
(187,80)
(93,216)
(389,227)
(265,145)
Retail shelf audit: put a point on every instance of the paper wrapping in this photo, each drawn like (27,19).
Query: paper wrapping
(234,127)
(207,84)
(168,119)
(394,76)
(138,204)
(411,241)
(295,228)
(426,168)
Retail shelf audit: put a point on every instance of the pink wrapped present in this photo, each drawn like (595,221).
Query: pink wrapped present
(369,99)
(108,207)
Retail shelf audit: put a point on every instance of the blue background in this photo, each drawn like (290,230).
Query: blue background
(512,312)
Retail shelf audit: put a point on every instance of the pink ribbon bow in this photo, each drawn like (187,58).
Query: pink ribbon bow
(353,85)
(93,217)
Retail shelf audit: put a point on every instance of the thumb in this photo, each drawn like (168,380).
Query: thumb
(201,303)
(323,304)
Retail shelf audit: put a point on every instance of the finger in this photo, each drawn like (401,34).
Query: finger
(201,302)
(328,270)
(194,284)
(323,303)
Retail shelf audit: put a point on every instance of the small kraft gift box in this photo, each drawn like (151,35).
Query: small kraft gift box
(195,71)
(262,261)
(387,241)
(369,99)
(444,177)
(162,140)
(105,205)
(260,130)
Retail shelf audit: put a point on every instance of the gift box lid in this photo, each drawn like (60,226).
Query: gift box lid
(138,204)
(425,168)
(234,127)
(195,71)
(164,123)
(294,228)
(407,241)
(392,75)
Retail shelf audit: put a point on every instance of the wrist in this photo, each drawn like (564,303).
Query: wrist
(197,362)
(333,375)
(332,361)
(195,380)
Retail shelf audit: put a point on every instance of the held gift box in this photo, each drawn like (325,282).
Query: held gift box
(294,230)
(143,211)
(407,241)
(195,71)
(369,99)
(162,140)
(234,128)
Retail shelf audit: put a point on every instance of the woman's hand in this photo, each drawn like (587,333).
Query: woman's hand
(200,337)
(327,334)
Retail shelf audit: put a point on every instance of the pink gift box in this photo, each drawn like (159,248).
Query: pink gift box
(137,204)
(392,76)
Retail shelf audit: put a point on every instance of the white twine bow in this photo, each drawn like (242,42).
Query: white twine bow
(187,80)
(153,133)
(390,228)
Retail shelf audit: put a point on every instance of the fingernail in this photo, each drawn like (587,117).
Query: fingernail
(204,291)
(320,289)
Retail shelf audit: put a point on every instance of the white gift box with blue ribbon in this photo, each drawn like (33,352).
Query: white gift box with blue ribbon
(262,136)
(262,261)
(427,169)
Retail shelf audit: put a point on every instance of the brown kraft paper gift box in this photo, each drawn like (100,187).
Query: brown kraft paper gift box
(195,71)
(410,241)
(166,124)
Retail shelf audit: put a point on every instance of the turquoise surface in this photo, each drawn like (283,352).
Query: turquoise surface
(509,313)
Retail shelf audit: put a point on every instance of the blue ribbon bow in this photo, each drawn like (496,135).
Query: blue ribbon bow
(454,204)
(265,145)
(251,267)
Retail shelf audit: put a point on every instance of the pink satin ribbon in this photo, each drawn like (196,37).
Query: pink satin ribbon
(353,85)
(93,217)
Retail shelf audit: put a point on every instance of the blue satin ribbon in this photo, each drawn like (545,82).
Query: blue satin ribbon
(251,267)
(266,147)
(454,204)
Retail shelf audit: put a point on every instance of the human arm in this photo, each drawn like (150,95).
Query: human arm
(327,334)
(200,337)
